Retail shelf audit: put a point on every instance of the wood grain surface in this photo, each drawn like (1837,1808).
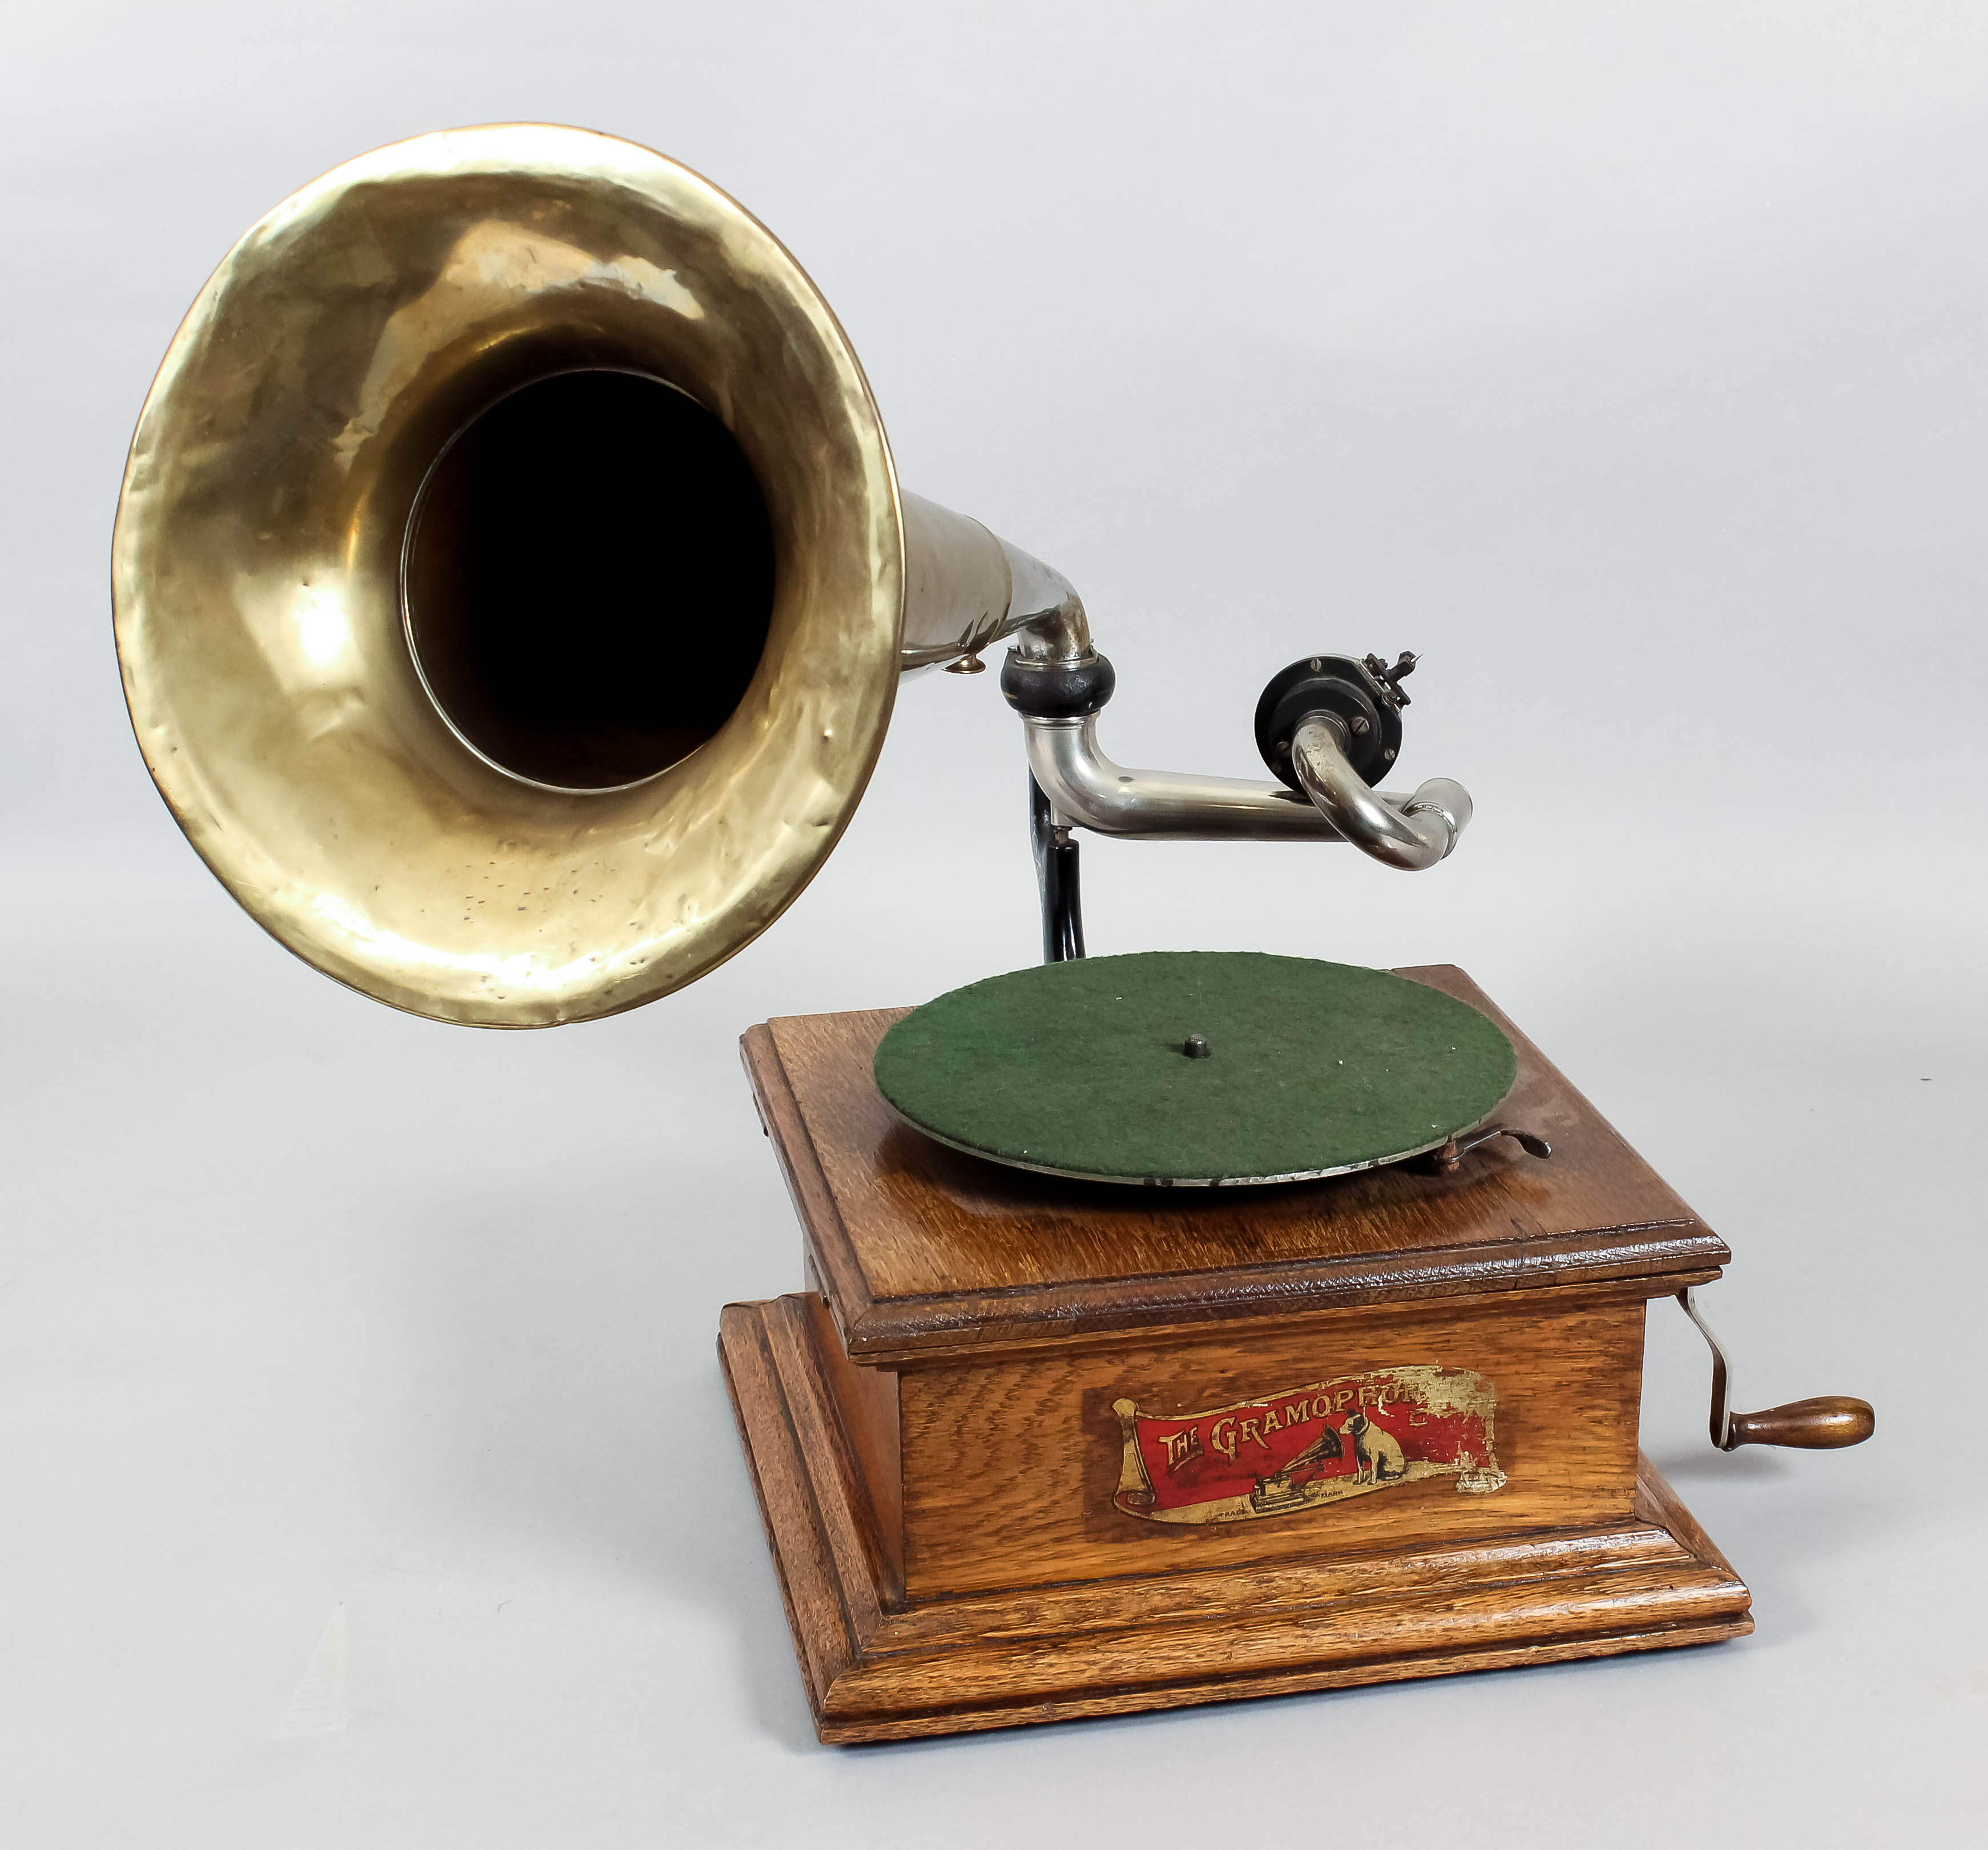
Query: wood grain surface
(933,1439)
(1010,1462)
(882,1665)
(919,1248)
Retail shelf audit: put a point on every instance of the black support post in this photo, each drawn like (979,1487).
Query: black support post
(1056,876)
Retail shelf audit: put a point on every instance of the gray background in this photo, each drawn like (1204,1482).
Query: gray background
(366,1478)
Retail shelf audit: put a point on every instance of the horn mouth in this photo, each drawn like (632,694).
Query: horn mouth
(494,771)
(588,580)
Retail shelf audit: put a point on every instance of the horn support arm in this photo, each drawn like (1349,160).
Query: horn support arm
(966,588)
(1089,790)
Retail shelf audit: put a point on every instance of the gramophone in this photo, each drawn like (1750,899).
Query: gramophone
(513,585)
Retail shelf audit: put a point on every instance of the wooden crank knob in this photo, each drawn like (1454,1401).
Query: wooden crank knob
(1823,1424)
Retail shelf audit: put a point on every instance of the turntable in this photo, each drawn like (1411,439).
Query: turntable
(512,584)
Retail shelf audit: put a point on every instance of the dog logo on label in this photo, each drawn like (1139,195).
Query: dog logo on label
(1320,1443)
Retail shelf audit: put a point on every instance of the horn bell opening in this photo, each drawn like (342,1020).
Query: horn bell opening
(508,575)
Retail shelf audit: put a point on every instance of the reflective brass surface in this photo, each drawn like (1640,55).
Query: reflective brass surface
(458,716)
(257,575)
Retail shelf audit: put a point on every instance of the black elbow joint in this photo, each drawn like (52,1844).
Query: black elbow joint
(1057,690)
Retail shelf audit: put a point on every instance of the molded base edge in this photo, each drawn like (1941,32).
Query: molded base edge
(878,1669)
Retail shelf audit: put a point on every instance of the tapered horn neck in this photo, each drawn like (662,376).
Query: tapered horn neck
(966,588)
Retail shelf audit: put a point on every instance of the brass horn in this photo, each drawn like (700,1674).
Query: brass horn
(513,583)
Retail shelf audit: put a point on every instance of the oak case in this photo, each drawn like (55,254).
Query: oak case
(931,1430)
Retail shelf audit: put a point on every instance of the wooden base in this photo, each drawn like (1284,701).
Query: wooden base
(881,1665)
(1030,1448)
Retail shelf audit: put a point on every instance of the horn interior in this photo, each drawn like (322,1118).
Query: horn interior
(589,579)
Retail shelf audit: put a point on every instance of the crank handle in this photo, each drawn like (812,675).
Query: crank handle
(1826,1424)
(1823,1424)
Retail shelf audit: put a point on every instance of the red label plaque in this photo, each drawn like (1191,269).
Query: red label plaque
(1319,1443)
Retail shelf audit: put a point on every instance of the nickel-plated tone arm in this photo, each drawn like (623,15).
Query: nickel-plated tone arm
(1406,833)
(967,589)
(1090,791)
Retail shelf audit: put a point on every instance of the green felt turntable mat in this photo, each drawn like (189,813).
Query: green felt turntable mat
(1080,1069)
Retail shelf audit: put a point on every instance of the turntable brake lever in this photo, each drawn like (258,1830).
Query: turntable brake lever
(1823,1424)
(1447,1158)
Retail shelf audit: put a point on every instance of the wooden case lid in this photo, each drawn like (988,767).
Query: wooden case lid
(921,1250)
